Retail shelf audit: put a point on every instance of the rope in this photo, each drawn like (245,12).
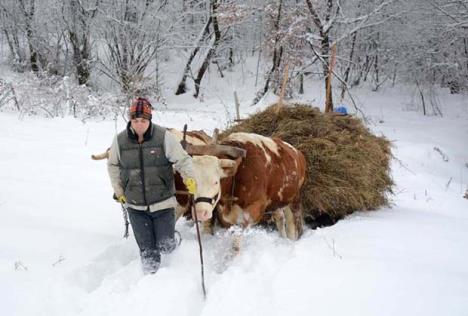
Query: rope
(125,217)
(191,206)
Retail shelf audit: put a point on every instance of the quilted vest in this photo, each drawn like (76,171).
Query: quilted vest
(146,173)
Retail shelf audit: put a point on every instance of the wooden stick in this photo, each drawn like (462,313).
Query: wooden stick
(200,248)
(283,88)
(331,65)
(236,101)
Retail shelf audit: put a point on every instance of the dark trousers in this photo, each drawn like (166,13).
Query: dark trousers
(154,234)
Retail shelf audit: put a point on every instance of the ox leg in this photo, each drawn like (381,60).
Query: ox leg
(291,229)
(235,237)
(236,242)
(208,226)
(279,218)
(235,216)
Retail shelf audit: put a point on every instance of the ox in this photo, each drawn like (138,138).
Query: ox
(265,184)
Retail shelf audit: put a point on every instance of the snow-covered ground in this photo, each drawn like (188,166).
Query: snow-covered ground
(62,252)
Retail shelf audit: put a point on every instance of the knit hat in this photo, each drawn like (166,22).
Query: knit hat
(140,108)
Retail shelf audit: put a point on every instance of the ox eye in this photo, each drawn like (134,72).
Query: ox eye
(216,182)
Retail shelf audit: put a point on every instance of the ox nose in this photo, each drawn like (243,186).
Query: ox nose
(203,214)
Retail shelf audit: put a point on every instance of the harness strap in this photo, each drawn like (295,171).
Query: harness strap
(203,199)
(125,217)
(212,200)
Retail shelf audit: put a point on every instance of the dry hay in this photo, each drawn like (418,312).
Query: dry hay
(347,166)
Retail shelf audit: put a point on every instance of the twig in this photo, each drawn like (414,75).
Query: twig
(14,97)
(403,165)
(332,247)
(20,266)
(60,259)
(45,110)
(444,156)
(422,98)
(448,183)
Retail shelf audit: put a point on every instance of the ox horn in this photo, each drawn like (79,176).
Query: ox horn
(229,166)
(216,150)
(104,155)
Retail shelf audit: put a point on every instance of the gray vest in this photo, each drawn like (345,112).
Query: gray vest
(146,173)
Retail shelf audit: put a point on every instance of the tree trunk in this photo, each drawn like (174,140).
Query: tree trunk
(181,88)
(376,64)
(422,98)
(33,54)
(376,72)
(328,79)
(367,66)
(19,51)
(301,83)
(324,31)
(348,69)
(277,55)
(212,51)
(10,45)
(465,42)
(80,57)
(394,75)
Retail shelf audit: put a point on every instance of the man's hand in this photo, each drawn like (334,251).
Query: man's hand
(191,185)
(121,199)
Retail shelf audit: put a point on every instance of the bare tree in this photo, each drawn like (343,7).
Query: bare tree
(132,32)
(324,24)
(214,42)
(11,31)
(78,19)
(181,88)
(28,9)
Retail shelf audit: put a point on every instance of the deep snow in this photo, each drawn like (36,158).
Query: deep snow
(62,252)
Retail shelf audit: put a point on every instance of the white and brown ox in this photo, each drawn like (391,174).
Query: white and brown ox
(265,184)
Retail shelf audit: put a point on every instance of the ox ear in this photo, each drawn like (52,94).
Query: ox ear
(228,167)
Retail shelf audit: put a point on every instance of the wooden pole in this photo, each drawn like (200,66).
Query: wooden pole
(214,140)
(236,101)
(283,88)
(331,65)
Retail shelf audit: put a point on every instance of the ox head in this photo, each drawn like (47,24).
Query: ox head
(209,170)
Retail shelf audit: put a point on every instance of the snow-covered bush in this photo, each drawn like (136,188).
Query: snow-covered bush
(54,96)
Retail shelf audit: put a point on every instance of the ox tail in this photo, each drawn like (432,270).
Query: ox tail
(104,155)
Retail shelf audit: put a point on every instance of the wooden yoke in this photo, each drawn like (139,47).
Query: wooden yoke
(216,150)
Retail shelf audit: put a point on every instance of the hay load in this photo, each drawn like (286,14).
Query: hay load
(348,167)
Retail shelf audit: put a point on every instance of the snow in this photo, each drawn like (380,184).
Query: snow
(62,251)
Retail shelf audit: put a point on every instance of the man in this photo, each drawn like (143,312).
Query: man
(140,169)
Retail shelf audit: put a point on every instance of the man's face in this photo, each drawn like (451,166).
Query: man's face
(140,125)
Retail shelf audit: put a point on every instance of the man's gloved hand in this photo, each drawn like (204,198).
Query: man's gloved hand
(121,199)
(191,185)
